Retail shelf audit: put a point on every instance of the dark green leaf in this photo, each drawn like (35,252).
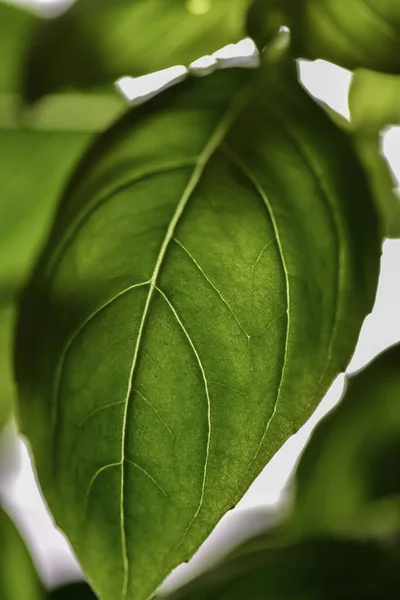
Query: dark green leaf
(320,570)
(205,280)
(18,577)
(360,33)
(73,591)
(96,43)
(347,479)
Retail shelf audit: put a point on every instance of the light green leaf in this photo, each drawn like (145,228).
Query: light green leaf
(360,33)
(18,577)
(92,45)
(347,480)
(374,100)
(321,570)
(204,282)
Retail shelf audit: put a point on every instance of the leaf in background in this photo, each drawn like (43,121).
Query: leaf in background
(18,577)
(73,591)
(205,280)
(324,570)
(374,100)
(382,180)
(16,27)
(360,33)
(95,43)
(35,162)
(348,481)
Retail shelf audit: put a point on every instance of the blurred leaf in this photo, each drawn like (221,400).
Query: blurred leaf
(359,33)
(6,383)
(18,577)
(264,19)
(16,27)
(320,570)
(73,591)
(99,41)
(348,479)
(166,246)
(382,181)
(36,157)
(374,100)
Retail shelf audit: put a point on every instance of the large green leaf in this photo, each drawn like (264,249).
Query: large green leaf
(320,570)
(18,577)
(347,480)
(206,278)
(96,43)
(359,33)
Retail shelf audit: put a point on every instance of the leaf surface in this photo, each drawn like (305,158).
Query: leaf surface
(347,480)
(18,577)
(96,43)
(360,33)
(205,280)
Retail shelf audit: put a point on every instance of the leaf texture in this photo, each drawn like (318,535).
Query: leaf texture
(205,280)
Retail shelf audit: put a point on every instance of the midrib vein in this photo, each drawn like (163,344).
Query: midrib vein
(215,140)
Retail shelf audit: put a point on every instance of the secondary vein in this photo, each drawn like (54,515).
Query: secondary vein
(250,176)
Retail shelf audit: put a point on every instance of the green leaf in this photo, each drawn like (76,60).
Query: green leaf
(205,280)
(18,577)
(347,481)
(323,570)
(374,100)
(16,27)
(360,33)
(35,162)
(73,591)
(93,45)
(382,181)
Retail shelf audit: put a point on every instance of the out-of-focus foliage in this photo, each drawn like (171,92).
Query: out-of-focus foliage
(374,102)
(357,33)
(18,577)
(16,26)
(347,482)
(323,569)
(38,149)
(98,41)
